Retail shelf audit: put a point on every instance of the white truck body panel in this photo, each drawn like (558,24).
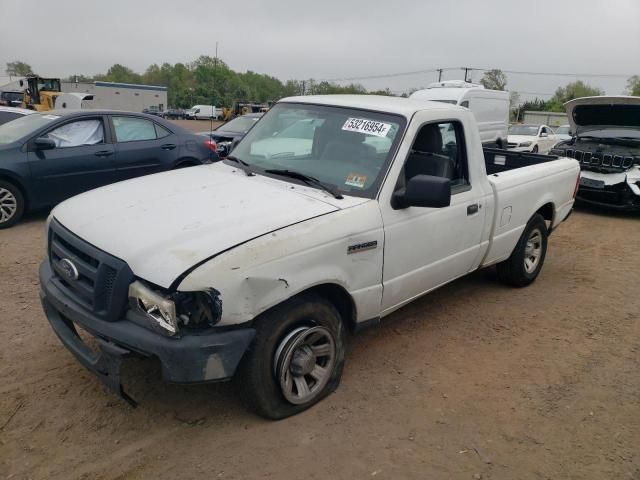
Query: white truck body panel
(259,240)
(490,107)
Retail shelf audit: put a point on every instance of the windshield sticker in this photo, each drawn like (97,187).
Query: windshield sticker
(369,127)
(356,180)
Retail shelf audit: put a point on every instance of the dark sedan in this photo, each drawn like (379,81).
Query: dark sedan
(48,157)
(233,130)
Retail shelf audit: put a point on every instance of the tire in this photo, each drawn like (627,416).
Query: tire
(285,335)
(534,149)
(11,204)
(527,258)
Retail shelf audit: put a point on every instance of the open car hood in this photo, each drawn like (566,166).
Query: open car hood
(598,113)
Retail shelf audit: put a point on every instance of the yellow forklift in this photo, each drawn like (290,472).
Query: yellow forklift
(40,93)
(242,108)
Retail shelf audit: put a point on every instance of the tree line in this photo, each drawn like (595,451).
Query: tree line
(210,81)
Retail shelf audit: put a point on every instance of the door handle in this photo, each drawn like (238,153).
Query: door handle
(103,153)
(168,146)
(472,209)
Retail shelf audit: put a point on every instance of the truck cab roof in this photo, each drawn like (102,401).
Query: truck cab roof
(379,103)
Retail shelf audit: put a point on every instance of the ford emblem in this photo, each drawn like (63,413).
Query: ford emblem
(67,269)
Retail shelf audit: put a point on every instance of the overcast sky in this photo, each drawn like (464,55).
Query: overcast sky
(330,39)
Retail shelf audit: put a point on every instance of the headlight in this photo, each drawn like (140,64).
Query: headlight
(159,309)
(525,144)
(167,312)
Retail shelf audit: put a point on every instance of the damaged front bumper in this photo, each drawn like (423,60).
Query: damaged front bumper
(619,191)
(192,358)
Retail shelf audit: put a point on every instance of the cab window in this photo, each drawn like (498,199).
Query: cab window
(438,150)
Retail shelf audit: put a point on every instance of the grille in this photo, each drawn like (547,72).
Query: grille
(511,145)
(103,280)
(610,162)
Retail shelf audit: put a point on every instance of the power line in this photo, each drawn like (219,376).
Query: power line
(468,69)
(389,75)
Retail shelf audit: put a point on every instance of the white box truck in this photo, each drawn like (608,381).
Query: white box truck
(490,107)
(203,112)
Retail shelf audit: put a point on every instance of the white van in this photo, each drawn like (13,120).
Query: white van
(203,112)
(490,107)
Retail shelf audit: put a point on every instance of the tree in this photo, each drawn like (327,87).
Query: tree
(18,69)
(120,73)
(572,90)
(633,85)
(494,80)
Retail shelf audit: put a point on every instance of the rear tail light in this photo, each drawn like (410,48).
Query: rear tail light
(211,145)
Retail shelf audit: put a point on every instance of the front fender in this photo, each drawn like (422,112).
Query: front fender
(266,271)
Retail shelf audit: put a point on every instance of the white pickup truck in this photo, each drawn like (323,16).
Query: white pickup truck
(257,267)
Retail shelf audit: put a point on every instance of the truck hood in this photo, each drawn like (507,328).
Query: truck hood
(598,113)
(164,224)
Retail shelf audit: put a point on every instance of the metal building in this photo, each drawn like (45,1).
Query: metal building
(553,119)
(120,96)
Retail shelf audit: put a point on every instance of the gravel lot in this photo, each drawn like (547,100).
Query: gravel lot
(476,380)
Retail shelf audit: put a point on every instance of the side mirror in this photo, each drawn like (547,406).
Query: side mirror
(22,83)
(423,191)
(43,143)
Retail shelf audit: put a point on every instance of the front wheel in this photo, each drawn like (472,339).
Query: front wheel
(535,149)
(11,204)
(525,262)
(296,358)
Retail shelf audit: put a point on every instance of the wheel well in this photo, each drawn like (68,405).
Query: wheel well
(186,162)
(340,299)
(20,187)
(547,212)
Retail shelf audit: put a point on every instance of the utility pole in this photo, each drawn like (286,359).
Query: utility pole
(439,75)
(303,85)
(466,72)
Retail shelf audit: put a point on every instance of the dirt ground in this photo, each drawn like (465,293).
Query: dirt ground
(476,380)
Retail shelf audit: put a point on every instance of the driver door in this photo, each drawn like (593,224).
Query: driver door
(82,160)
(427,247)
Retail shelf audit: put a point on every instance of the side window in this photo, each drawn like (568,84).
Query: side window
(465,104)
(438,150)
(161,132)
(131,129)
(75,134)
(8,116)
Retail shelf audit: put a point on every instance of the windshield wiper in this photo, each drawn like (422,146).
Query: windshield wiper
(246,168)
(306,179)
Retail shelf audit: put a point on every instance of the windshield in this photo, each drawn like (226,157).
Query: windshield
(563,130)
(452,102)
(531,130)
(347,149)
(23,126)
(239,124)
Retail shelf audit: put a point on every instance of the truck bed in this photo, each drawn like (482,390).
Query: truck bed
(500,160)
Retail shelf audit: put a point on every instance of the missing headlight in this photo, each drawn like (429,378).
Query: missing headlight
(199,309)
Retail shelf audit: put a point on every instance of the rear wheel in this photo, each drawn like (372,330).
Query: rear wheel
(526,260)
(11,204)
(296,358)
